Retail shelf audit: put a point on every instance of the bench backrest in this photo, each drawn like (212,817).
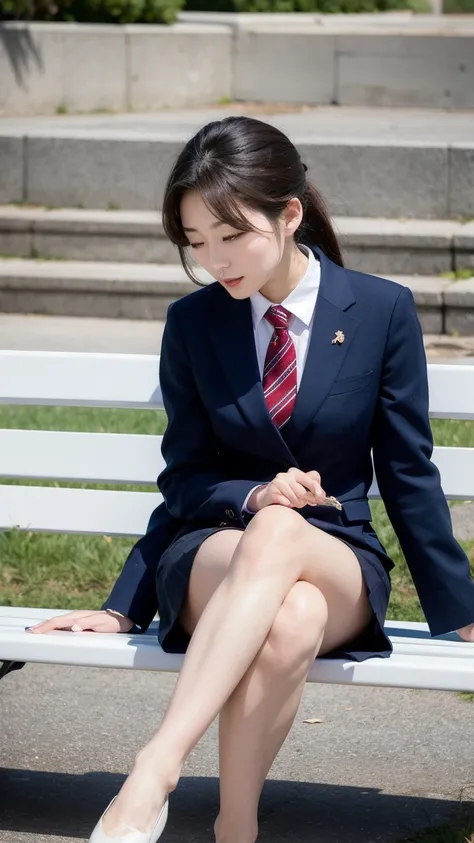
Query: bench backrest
(131,381)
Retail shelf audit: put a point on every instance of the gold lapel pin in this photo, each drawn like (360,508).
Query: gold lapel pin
(339,338)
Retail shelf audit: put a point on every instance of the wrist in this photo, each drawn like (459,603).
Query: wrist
(255,500)
(126,623)
(116,613)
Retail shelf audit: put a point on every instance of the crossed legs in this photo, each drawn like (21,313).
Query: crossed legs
(258,715)
(247,660)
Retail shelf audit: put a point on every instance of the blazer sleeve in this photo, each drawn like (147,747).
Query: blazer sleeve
(409,482)
(194,483)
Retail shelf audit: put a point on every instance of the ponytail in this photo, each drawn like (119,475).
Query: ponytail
(316,227)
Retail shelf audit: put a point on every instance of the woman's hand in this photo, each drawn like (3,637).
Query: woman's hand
(467,632)
(84,620)
(293,488)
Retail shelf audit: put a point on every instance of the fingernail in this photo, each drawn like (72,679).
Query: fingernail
(76,628)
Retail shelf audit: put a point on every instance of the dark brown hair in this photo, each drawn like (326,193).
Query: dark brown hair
(237,163)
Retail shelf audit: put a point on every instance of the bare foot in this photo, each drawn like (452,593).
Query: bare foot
(138,803)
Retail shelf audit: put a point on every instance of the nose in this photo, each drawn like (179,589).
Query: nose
(218,261)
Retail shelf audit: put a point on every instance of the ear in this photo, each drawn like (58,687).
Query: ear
(292,216)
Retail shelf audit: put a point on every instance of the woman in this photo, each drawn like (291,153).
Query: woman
(279,381)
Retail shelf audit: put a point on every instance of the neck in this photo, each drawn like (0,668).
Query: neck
(291,270)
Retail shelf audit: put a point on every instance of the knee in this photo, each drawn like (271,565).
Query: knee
(297,628)
(274,529)
(276,521)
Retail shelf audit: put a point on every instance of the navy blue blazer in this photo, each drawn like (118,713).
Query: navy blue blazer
(368,394)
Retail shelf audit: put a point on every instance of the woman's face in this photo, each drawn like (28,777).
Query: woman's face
(251,257)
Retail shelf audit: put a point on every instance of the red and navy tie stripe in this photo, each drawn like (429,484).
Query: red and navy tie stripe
(279,372)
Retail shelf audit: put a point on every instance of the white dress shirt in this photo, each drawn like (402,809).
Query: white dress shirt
(301,303)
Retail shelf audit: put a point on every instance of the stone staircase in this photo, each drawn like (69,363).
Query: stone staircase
(80,234)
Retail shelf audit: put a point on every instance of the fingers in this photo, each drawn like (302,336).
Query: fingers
(301,488)
(295,488)
(312,481)
(294,493)
(315,475)
(281,500)
(62,621)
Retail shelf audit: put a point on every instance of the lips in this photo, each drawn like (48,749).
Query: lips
(232,282)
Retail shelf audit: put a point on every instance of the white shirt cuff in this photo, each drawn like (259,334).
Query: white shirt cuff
(244,505)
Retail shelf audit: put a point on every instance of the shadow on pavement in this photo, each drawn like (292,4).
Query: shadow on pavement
(62,805)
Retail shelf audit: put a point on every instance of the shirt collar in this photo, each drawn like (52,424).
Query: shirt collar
(301,300)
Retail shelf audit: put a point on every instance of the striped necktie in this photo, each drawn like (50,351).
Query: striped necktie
(279,372)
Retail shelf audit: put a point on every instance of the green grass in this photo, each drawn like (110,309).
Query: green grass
(458,274)
(70,571)
(92,419)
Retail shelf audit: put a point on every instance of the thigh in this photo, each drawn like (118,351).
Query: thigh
(209,568)
(295,549)
(332,566)
(324,561)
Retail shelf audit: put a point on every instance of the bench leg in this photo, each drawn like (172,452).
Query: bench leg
(7,667)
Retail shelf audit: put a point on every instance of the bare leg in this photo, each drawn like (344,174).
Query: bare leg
(278,549)
(258,715)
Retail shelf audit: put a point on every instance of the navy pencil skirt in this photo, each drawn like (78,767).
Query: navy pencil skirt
(177,560)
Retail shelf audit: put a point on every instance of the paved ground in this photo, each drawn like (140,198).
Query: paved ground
(303,123)
(141,336)
(68,333)
(382,764)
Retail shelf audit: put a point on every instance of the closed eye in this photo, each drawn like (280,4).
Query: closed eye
(228,239)
(233,236)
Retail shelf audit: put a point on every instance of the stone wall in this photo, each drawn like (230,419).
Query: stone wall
(48,68)
(392,61)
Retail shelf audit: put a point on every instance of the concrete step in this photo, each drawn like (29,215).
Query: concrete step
(75,288)
(381,246)
(367,162)
(144,291)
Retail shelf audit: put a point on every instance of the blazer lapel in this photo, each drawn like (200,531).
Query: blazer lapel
(324,359)
(231,332)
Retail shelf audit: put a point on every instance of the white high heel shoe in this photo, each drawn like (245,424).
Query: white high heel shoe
(133,836)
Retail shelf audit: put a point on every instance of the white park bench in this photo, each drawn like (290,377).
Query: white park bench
(131,381)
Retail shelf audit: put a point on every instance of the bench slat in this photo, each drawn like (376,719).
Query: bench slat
(131,380)
(77,379)
(126,513)
(86,511)
(451,392)
(425,667)
(136,459)
(412,638)
(83,457)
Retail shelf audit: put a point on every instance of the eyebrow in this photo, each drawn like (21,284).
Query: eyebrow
(214,225)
